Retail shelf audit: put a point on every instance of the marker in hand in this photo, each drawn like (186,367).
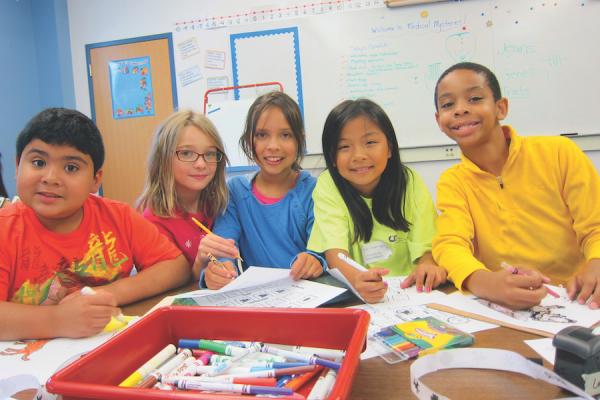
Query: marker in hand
(88,291)
(351,262)
(515,270)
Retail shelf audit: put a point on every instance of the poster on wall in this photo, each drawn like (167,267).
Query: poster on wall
(131,88)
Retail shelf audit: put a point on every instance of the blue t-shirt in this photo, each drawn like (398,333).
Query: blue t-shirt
(268,235)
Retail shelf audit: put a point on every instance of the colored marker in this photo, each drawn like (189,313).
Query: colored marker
(223,367)
(256,357)
(154,377)
(274,373)
(317,351)
(515,270)
(300,380)
(135,378)
(258,366)
(317,389)
(299,356)
(88,291)
(211,345)
(187,368)
(233,387)
(351,262)
(175,379)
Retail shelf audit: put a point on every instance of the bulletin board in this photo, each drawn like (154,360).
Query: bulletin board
(544,54)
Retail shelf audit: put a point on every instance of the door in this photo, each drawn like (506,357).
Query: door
(127,139)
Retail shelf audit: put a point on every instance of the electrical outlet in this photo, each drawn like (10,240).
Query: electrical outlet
(450,152)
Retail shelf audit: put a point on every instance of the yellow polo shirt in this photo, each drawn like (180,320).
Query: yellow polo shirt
(545,215)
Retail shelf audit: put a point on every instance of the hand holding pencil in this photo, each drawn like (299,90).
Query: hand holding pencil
(215,244)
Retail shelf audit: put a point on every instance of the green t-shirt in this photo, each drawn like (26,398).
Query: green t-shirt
(388,248)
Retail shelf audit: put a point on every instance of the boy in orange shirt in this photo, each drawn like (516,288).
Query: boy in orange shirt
(61,237)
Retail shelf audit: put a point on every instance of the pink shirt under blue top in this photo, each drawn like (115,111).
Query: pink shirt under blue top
(262,198)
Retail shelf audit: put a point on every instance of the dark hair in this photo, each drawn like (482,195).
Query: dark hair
(389,195)
(3,192)
(489,76)
(61,126)
(292,114)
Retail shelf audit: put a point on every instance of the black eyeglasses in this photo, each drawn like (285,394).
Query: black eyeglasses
(212,157)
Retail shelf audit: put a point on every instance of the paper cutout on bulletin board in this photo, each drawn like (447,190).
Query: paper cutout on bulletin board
(131,88)
(283,65)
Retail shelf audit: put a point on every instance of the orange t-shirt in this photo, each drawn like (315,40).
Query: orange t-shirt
(38,266)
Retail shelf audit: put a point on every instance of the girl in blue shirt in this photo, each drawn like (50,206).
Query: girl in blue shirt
(270,214)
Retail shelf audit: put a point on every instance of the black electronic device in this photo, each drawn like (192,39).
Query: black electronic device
(577,353)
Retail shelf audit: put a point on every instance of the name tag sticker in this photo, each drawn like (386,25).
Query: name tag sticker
(375,251)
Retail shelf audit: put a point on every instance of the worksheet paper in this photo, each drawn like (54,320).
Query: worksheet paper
(266,287)
(552,315)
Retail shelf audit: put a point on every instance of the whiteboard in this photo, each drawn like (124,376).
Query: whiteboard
(544,54)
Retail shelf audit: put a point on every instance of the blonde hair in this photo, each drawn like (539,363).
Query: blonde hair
(159,192)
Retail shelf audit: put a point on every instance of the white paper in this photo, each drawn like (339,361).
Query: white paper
(42,358)
(188,48)
(256,276)
(215,59)
(263,288)
(552,315)
(495,359)
(544,348)
(189,75)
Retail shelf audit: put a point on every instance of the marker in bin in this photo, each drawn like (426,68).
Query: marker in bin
(135,378)
(311,359)
(273,373)
(175,379)
(188,384)
(211,345)
(155,376)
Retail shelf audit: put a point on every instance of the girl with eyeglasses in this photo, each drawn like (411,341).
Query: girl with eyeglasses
(186,179)
(270,213)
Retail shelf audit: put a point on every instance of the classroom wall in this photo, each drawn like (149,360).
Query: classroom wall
(94,21)
(36,69)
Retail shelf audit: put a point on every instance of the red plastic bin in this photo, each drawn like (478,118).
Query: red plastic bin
(97,374)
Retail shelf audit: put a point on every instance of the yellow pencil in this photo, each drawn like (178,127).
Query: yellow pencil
(208,232)
(201,226)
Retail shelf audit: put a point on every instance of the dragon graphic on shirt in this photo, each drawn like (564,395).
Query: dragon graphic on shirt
(100,265)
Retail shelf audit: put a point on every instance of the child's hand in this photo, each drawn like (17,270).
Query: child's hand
(426,275)
(81,316)
(306,266)
(370,284)
(585,286)
(217,246)
(218,275)
(516,291)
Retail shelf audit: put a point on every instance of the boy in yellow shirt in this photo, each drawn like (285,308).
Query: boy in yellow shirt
(517,212)
(60,237)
